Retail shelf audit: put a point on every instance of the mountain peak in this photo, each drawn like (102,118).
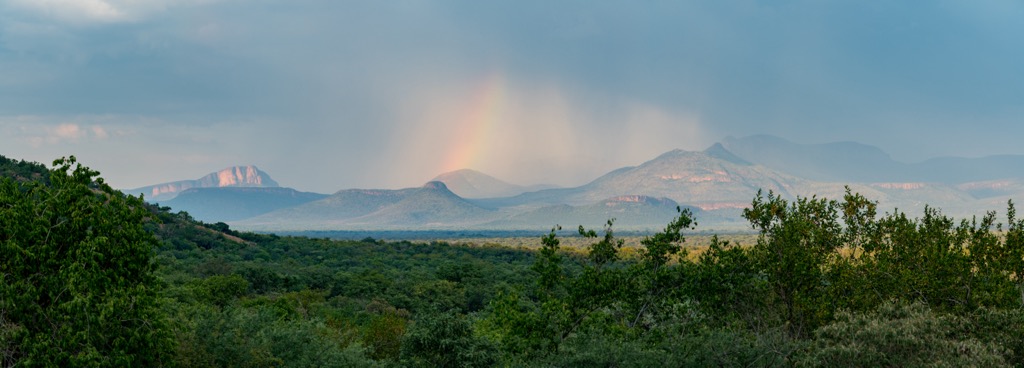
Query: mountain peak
(235,176)
(675,153)
(238,176)
(717,150)
(435,185)
(468,183)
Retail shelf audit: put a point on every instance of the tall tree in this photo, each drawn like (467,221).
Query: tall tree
(76,274)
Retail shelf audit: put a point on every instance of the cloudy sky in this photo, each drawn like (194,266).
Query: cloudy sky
(330,94)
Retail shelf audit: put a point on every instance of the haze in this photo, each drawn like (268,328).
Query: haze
(326,95)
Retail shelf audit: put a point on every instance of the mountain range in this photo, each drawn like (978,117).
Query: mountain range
(716,184)
(861,163)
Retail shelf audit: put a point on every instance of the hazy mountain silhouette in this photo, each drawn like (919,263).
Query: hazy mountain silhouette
(830,162)
(236,203)
(469,183)
(430,206)
(851,162)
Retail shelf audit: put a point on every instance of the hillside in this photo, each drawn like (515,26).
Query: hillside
(430,206)
(236,203)
(632,212)
(21,170)
(692,178)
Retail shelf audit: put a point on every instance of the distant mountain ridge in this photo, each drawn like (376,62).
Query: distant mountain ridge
(853,162)
(237,203)
(430,206)
(716,184)
(829,162)
(468,183)
(690,177)
(236,176)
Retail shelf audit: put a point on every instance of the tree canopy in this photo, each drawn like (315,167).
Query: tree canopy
(77,286)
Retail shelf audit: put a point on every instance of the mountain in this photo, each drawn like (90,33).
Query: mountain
(692,178)
(631,212)
(716,183)
(433,205)
(237,176)
(848,162)
(851,162)
(430,206)
(331,211)
(236,203)
(474,184)
(720,184)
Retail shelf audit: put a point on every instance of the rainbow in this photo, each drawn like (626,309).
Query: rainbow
(473,131)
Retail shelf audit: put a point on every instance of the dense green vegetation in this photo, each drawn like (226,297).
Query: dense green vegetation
(76,278)
(91,277)
(21,170)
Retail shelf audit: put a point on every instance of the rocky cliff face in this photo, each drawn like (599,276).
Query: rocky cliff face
(238,176)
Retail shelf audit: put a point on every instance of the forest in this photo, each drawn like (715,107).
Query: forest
(92,277)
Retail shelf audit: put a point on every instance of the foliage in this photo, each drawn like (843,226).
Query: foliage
(824,282)
(446,340)
(899,335)
(238,336)
(796,240)
(23,171)
(78,287)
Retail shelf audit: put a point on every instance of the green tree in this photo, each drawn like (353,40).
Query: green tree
(654,279)
(796,242)
(899,335)
(1012,257)
(446,340)
(76,274)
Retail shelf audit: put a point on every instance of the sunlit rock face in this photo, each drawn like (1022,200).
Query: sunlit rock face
(901,186)
(237,176)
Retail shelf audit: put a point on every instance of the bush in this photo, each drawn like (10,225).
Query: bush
(899,335)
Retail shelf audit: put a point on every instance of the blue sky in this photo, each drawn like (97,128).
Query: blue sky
(326,95)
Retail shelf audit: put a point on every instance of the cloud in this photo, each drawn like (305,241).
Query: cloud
(528,131)
(64,132)
(372,93)
(75,10)
(88,12)
(99,132)
(133,151)
(56,130)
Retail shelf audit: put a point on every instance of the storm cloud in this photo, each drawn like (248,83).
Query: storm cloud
(326,95)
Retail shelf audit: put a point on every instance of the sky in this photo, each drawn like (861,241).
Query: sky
(333,94)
